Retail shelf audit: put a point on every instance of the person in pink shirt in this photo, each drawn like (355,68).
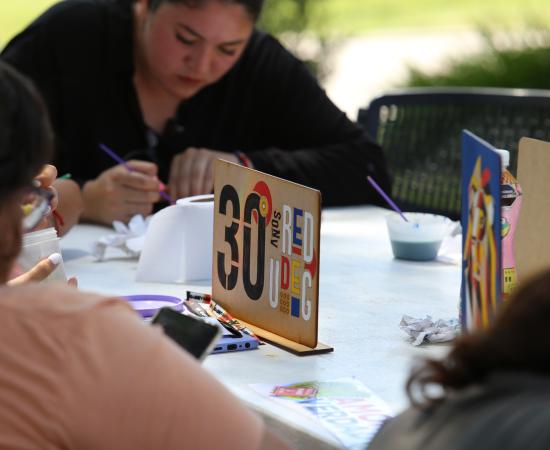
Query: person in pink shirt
(81,371)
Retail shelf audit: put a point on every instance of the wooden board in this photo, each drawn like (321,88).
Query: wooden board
(265,268)
(287,344)
(532,239)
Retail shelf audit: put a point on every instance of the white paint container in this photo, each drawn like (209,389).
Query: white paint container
(38,245)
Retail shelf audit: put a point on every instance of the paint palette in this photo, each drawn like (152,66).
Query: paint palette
(147,305)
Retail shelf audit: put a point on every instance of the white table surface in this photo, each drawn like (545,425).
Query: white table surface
(363,293)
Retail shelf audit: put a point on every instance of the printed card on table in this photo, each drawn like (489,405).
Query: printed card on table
(481,232)
(345,407)
(266,251)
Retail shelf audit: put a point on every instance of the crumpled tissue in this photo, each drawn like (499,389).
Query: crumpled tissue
(128,238)
(427,331)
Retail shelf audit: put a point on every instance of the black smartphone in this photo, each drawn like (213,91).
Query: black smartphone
(194,335)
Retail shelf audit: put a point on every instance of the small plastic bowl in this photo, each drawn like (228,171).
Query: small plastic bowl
(418,239)
(147,305)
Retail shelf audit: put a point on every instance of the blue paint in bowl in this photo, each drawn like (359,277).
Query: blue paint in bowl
(420,238)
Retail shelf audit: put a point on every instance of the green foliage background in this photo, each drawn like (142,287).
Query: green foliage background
(523,61)
(345,17)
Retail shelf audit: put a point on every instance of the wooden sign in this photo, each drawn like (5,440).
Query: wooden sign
(532,239)
(266,254)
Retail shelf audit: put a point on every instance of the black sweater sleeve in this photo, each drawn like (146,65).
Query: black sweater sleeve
(32,52)
(318,145)
(58,53)
(75,52)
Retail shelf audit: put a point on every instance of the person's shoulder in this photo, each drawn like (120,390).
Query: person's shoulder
(267,60)
(79,36)
(264,45)
(517,413)
(264,41)
(76,26)
(55,299)
(73,12)
(400,432)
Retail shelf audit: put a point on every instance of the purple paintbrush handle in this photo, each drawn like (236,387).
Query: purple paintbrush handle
(386,197)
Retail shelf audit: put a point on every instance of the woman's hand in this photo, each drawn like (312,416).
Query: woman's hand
(41,271)
(67,200)
(192,171)
(70,205)
(45,180)
(118,194)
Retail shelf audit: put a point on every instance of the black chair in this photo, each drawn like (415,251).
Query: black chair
(420,130)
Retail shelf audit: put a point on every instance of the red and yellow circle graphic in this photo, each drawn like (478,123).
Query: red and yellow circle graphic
(266,203)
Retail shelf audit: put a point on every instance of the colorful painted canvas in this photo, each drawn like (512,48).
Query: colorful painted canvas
(481,232)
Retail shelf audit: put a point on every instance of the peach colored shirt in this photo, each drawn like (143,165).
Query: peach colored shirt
(78,371)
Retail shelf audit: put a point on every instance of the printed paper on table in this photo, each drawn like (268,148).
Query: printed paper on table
(345,407)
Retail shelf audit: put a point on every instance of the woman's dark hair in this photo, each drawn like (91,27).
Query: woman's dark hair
(26,137)
(254,7)
(517,341)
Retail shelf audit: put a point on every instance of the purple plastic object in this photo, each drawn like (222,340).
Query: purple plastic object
(147,305)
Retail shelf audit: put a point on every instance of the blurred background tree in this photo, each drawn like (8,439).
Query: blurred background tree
(280,16)
(515,51)
(507,59)
(301,26)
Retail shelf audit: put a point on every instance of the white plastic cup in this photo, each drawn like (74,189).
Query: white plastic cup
(38,245)
(418,239)
(178,243)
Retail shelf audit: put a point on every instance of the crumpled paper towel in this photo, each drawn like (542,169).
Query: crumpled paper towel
(427,331)
(128,238)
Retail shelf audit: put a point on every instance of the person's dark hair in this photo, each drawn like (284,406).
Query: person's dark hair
(254,7)
(26,137)
(517,341)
